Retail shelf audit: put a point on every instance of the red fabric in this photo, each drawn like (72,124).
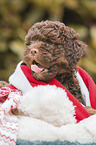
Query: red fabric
(90,85)
(81,112)
(4,92)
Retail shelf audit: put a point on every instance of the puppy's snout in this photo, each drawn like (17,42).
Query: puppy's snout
(34,51)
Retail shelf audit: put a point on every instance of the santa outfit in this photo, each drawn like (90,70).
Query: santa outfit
(23,80)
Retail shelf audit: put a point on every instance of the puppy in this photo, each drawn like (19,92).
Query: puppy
(52,50)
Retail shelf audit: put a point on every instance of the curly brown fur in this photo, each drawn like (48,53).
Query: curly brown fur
(56,48)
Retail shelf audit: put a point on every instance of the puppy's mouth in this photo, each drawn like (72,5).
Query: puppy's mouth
(37,67)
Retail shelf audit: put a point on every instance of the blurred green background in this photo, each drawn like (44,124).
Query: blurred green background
(17,16)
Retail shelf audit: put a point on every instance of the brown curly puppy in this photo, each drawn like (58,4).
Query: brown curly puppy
(55,50)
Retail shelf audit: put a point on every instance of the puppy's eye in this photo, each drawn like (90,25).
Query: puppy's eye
(49,41)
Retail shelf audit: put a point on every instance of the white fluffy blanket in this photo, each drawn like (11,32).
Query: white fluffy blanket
(49,116)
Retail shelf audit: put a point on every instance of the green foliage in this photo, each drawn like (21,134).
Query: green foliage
(17,16)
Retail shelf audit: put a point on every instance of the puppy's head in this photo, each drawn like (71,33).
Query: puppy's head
(51,48)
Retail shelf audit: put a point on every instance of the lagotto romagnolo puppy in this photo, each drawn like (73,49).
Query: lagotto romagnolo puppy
(52,50)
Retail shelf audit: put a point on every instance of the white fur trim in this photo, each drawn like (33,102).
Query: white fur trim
(49,117)
(33,129)
(45,108)
(48,103)
(84,90)
(82,132)
(19,80)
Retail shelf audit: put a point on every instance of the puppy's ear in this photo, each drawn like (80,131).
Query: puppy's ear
(74,51)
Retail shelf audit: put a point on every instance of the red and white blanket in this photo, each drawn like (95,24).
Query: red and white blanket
(8,122)
(22,80)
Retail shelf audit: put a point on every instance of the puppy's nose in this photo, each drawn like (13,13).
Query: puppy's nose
(34,51)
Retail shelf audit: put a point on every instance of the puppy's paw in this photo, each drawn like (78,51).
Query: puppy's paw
(3,84)
(16,111)
(90,110)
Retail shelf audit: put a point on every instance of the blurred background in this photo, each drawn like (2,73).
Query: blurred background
(17,16)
